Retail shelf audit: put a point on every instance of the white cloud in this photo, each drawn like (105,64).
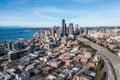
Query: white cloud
(53,10)
(99,18)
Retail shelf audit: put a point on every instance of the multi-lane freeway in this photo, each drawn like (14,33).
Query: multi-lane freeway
(112,61)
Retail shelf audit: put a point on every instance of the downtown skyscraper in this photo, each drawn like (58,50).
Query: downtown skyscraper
(70,29)
(63,28)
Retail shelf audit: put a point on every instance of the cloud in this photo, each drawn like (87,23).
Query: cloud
(60,13)
(46,17)
(52,15)
(49,10)
(99,18)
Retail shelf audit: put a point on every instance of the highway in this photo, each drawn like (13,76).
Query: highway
(112,61)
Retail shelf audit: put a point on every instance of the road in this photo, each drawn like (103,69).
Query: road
(109,75)
(112,60)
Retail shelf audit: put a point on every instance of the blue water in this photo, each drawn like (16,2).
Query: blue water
(12,34)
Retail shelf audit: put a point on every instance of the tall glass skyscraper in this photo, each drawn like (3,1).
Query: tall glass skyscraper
(63,28)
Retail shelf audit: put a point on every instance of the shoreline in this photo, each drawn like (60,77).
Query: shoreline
(24,33)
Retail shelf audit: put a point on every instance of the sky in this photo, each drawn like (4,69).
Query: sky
(48,13)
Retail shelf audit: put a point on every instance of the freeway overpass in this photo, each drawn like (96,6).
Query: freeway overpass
(112,60)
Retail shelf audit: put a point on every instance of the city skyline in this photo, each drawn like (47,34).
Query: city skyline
(60,53)
(45,13)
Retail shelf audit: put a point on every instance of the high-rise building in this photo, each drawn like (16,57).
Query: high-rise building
(70,29)
(10,45)
(12,56)
(15,46)
(85,31)
(63,28)
(76,31)
(18,46)
(46,35)
(81,30)
(31,48)
(53,31)
(58,32)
